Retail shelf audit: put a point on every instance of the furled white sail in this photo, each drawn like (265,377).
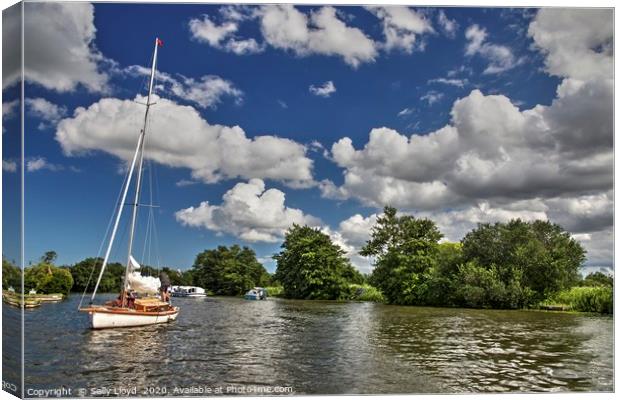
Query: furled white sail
(139,283)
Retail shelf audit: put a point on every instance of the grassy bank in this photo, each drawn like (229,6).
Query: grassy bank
(598,299)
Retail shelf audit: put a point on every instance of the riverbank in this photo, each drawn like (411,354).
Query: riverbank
(579,299)
(30,300)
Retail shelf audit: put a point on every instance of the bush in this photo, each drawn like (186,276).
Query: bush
(274,291)
(365,292)
(11,276)
(598,299)
(46,279)
(61,281)
(479,287)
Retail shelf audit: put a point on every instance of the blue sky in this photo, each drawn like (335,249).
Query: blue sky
(272,115)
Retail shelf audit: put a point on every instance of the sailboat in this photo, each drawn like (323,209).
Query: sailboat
(128,311)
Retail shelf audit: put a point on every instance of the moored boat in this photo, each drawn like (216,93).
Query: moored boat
(257,293)
(188,291)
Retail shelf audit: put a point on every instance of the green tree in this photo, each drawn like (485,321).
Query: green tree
(228,270)
(46,278)
(11,275)
(49,257)
(596,279)
(405,250)
(87,271)
(311,266)
(440,278)
(531,259)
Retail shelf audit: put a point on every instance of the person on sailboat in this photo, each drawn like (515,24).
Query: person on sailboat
(165,284)
(130,298)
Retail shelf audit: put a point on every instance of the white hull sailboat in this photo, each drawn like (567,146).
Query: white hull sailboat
(128,311)
(102,317)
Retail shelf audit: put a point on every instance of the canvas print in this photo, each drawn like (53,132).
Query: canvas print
(283,199)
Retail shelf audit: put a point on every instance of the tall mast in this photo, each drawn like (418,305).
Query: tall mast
(137,158)
(136,202)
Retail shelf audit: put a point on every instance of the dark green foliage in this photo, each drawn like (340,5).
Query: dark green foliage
(111,281)
(59,282)
(479,287)
(311,266)
(11,276)
(502,265)
(534,259)
(597,279)
(46,278)
(406,251)
(49,257)
(228,271)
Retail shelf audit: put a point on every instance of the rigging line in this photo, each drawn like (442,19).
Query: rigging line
(151,213)
(143,258)
(146,259)
(156,245)
(146,238)
(155,231)
(103,240)
(155,195)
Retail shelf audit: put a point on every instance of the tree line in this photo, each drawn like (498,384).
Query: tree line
(510,265)
(222,271)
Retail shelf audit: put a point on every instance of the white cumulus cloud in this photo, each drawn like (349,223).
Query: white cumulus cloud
(8,108)
(448,26)
(249,212)
(500,58)
(493,161)
(222,36)
(577,43)
(59,47)
(48,112)
(401,27)
(320,32)
(9,166)
(324,90)
(178,136)
(205,92)
(41,163)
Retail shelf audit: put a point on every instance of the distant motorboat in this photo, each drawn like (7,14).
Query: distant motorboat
(188,291)
(257,293)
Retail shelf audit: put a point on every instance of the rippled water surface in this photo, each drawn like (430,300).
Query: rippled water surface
(323,347)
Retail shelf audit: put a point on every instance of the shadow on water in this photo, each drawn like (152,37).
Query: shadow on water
(324,347)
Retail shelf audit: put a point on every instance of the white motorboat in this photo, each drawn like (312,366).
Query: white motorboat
(188,291)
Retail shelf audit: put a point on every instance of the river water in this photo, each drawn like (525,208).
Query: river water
(231,345)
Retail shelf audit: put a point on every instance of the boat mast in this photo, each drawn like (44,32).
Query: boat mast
(136,202)
(137,157)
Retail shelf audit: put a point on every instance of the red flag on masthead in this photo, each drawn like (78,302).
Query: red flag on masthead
(160,43)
